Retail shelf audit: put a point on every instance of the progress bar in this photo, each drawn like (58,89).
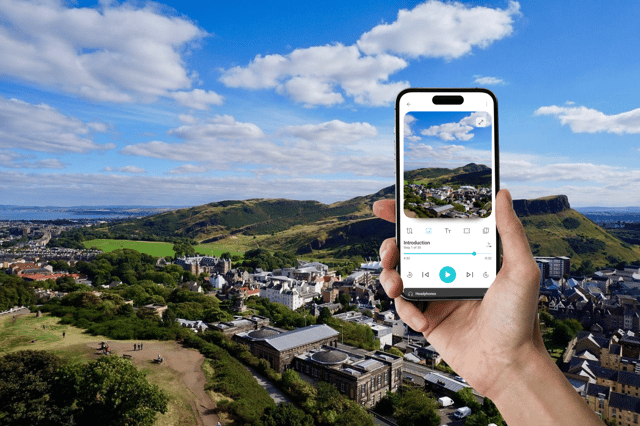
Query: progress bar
(473,253)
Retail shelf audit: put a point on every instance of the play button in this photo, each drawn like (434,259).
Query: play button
(447,274)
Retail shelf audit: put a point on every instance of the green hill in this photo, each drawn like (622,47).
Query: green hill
(554,229)
(471,174)
(340,229)
(348,229)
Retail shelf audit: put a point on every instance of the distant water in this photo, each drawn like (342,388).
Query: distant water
(612,216)
(29,214)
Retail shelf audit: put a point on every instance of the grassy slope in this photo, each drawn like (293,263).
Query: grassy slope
(546,234)
(74,348)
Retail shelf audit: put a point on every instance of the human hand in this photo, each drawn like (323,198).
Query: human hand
(479,339)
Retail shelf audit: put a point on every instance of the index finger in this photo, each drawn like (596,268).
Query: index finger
(385,209)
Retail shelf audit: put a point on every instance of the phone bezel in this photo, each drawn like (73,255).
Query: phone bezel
(466,293)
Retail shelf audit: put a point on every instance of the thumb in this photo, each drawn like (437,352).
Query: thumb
(515,245)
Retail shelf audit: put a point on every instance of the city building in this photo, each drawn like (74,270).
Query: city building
(279,348)
(364,379)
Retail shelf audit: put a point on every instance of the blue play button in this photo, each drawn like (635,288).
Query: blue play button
(447,274)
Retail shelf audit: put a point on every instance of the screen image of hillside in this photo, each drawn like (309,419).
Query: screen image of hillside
(462,193)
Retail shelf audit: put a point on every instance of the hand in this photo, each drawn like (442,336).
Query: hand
(479,339)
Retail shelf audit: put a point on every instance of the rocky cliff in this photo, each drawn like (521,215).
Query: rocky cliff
(546,205)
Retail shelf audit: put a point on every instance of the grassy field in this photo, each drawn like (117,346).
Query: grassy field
(160,249)
(75,347)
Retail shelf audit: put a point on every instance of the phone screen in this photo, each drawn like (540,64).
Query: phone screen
(446,183)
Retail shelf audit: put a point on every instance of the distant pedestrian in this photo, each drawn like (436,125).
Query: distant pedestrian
(134,346)
(64,333)
(140,346)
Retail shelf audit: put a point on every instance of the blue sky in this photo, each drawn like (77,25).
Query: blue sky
(184,103)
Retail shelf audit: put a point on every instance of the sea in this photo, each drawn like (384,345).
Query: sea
(91,214)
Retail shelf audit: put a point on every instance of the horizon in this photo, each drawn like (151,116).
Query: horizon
(193,103)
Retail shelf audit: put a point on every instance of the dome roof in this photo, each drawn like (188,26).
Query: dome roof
(263,333)
(329,357)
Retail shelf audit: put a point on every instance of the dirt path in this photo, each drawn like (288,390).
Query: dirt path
(187,362)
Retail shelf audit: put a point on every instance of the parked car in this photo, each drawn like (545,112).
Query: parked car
(445,401)
(460,379)
(462,412)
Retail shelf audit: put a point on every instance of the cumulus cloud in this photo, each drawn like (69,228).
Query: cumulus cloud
(125,169)
(13,160)
(588,120)
(326,75)
(43,128)
(222,143)
(188,169)
(488,81)
(436,29)
(335,132)
(418,155)
(101,189)
(457,131)
(317,75)
(197,99)
(408,132)
(114,52)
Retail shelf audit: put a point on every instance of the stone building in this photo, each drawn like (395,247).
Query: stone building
(364,379)
(279,348)
(240,325)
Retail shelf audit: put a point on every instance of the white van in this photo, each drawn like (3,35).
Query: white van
(445,401)
(462,412)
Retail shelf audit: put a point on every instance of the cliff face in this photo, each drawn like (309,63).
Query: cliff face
(545,205)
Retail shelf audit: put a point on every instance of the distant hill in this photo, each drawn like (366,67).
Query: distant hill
(348,228)
(471,174)
(555,229)
(343,229)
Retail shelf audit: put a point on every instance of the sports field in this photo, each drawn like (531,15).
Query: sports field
(153,248)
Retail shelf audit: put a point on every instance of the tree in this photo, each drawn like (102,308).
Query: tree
(111,391)
(345,298)
(30,392)
(325,314)
(465,397)
(562,334)
(286,414)
(395,351)
(416,408)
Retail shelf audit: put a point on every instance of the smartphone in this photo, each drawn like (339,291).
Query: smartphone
(446,184)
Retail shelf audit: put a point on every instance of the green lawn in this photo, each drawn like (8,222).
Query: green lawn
(156,249)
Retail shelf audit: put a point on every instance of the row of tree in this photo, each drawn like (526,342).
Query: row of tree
(39,388)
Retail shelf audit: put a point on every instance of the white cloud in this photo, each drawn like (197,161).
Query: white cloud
(222,143)
(114,52)
(327,75)
(197,99)
(43,128)
(13,160)
(419,155)
(488,81)
(319,75)
(125,169)
(450,131)
(408,132)
(587,120)
(438,29)
(457,131)
(335,132)
(188,169)
(101,189)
